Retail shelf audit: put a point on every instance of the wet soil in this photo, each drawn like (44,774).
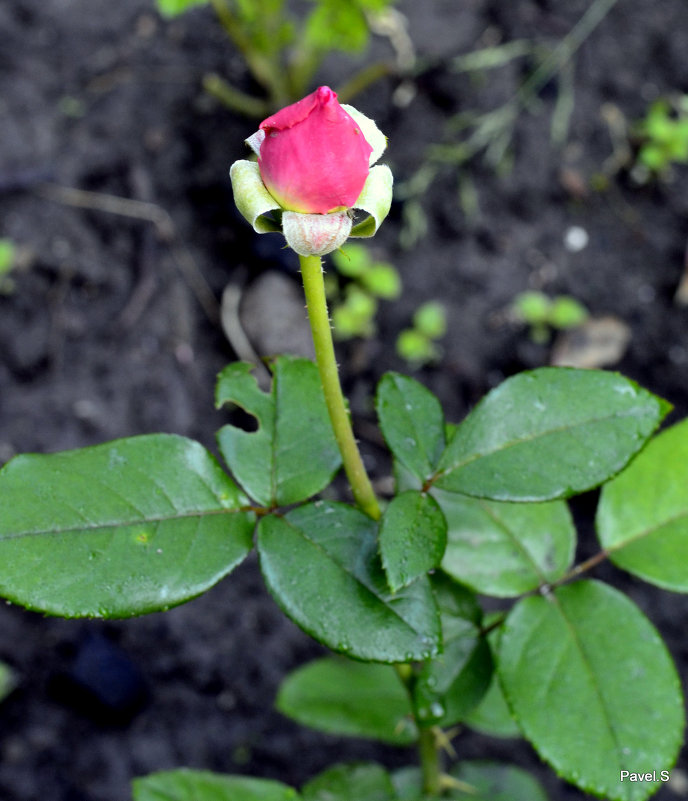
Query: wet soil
(110,329)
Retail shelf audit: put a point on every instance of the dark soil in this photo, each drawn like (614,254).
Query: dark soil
(103,337)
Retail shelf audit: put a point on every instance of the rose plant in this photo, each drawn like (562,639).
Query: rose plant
(391,587)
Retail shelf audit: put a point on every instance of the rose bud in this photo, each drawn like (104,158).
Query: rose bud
(314,158)
(314,165)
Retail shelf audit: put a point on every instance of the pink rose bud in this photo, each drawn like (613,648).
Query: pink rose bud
(314,157)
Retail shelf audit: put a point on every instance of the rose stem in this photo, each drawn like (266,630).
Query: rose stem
(316,303)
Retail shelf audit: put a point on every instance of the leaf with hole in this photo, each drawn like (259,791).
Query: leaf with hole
(585,659)
(506,549)
(356,699)
(642,516)
(293,454)
(549,433)
(132,526)
(320,563)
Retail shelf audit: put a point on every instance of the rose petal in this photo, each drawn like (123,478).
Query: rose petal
(251,197)
(314,158)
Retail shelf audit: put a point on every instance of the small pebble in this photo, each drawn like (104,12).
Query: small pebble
(576,239)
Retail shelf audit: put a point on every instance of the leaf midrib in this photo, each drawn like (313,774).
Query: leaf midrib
(370,592)
(92,528)
(521,440)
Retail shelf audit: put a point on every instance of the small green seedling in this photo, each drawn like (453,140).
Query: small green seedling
(417,345)
(354,297)
(8,258)
(543,314)
(664,136)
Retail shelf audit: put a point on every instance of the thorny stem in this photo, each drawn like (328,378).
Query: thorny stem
(430,761)
(316,302)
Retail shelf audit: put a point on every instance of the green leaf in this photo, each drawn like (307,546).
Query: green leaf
(642,517)
(132,526)
(585,659)
(408,784)
(320,562)
(357,699)
(492,716)
(8,680)
(412,423)
(293,454)
(173,8)
(506,549)
(493,781)
(450,685)
(334,25)
(413,536)
(199,785)
(352,782)
(549,433)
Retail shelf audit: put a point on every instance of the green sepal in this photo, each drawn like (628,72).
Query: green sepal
(375,199)
(252,198)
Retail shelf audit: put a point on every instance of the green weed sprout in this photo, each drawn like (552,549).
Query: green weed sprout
(283,51)
(366,281)
(664,135)
(416,345)
(542,313)
(8,259)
